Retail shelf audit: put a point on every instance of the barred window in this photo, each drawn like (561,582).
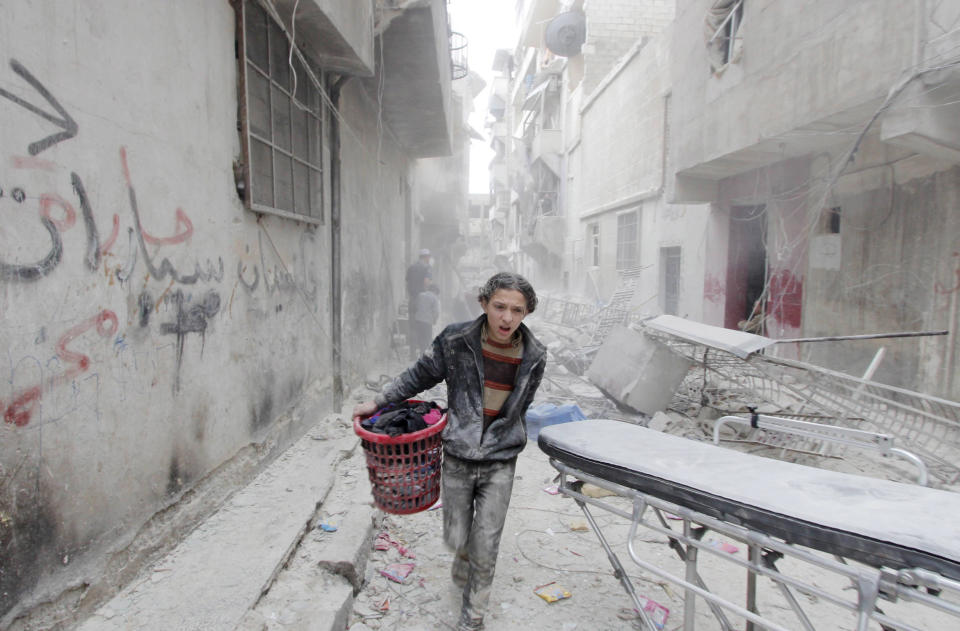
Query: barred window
(282,116)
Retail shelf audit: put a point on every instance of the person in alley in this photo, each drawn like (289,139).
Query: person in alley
(492,367)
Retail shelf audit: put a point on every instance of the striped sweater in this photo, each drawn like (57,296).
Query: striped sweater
(500,363)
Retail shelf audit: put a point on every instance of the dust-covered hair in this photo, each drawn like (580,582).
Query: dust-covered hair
(509,280)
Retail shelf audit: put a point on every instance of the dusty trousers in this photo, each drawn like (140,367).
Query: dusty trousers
(476,496)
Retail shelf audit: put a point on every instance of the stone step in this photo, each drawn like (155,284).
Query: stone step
(223,567)
(315,590)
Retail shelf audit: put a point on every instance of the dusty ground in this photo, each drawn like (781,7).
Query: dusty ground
(547,540)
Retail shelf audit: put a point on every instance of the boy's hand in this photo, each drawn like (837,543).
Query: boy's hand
(363,410)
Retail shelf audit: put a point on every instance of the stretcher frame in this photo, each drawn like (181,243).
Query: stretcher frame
(877,570)
(872,441)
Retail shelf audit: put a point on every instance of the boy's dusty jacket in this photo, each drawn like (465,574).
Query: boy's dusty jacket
(455,357)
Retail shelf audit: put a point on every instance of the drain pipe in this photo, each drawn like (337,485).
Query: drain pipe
(336,299)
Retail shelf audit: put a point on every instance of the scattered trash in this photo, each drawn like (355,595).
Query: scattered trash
(439,504)
(574,552)
(327,528)
(723,546)
(658,613)
(550,532)
(579,526)
(551,592)
(552,490)
(594,491)
(384,606)
(655,611)
(672,516)
(384,542)
(397,572)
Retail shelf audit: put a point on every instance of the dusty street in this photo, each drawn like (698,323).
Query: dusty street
(547,541)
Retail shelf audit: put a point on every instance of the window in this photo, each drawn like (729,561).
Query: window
(282,130)
(723,23)
(628,251)
(594,236)
(670,280)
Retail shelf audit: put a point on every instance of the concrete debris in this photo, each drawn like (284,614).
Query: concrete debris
(637,371)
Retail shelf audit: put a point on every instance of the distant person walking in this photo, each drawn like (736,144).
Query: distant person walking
(419,270)
(492,367)
(424,313)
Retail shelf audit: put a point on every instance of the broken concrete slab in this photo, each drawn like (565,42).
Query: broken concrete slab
(636,371)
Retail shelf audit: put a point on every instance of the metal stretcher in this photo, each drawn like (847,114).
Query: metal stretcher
(894,542)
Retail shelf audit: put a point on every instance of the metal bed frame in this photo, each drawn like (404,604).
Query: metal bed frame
(878,570)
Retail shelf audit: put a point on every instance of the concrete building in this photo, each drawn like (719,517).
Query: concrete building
(824,136)
(202,228)
(588,157)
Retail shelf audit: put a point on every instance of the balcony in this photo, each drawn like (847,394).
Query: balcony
(334,34)
(544,239)
(416,80)
(547,145)
(458,56)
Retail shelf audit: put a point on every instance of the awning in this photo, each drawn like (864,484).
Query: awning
(533,95)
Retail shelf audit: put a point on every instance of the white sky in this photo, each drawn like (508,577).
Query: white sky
(488,25)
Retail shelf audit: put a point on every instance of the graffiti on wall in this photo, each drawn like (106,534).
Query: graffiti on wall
(118,250)
(65,122)
(22,405)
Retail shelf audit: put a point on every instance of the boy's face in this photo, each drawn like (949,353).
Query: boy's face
(505,311)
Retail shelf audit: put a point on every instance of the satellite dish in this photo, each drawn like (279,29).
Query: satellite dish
(566,33)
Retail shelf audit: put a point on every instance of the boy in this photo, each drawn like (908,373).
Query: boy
(492,367)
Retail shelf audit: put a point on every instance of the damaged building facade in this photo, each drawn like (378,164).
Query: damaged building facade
(824,138)
(779,167)
(205,232)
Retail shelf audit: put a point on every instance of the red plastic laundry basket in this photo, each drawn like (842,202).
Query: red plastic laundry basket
(404,470)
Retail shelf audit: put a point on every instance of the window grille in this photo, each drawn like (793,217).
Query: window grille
(282,122)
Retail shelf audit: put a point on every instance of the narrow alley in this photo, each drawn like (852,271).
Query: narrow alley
(693,264)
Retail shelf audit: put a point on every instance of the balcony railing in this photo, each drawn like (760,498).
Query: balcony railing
(458,55)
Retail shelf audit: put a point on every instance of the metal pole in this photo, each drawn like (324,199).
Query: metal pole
(336,298)
(689,596)
(868,336)
(752,583)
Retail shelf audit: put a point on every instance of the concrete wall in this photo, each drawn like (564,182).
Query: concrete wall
(376,186)
(769,130)
(618,165)
(613,26)
(155,330)
(893,267)
(801,62)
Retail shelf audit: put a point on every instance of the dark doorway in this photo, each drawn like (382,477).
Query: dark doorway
(746,268)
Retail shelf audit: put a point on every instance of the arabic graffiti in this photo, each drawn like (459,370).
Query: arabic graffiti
(23,404)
